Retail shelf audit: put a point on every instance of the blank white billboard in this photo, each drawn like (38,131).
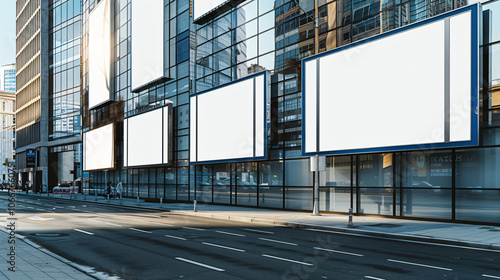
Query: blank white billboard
(98,148)
(201,7)
(99,61)
(414,88)
(146,138)
(147,41)
(229,123)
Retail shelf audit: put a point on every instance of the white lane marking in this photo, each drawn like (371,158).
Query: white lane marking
(82,231)
(402,240)
(86,211)
(230,233)
(223,247)
(200,264)
(39,209)
(145,231)
(28,207)
(175,237)
(193,228)
(422,265)
(339,252)
(58,207)
(259,231)
(36,218)
(277,241)
(491,276)
(287,260)
(374,278)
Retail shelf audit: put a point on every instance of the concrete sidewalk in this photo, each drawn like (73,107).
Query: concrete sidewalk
(30,261)
(477,236)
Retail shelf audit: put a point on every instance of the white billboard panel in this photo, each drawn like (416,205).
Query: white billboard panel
(99,61)
(147,41)
(98,148)
(146,138)
(229,123)
(412,88)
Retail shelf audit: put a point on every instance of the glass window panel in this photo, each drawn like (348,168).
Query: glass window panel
(334,199)
(251,47)
(247,12)
(478,205)
(495,22)
(431,170)
(338,172)
(267,61)
(183,22)
(299,198)
(266,42)
(435,203)
(298,173)
(375,201)
(204,183)
(265,6)
(375,170)
(477,169)
(270,196)
(266,21)
(495,66)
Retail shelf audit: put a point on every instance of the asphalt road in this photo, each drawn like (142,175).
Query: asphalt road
(147,244)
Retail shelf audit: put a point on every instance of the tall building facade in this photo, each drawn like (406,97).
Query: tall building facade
(8,77)
(242,38)
(7,131)
(48,90)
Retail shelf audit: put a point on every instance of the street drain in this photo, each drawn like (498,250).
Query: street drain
(49,234)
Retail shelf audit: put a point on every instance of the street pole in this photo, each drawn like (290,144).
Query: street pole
(316,188)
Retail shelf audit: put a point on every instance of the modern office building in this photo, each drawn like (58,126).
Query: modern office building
(48,95)
(167,86)
(8,77)
(7,131)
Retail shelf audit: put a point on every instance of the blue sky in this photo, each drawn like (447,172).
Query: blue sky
(7,31)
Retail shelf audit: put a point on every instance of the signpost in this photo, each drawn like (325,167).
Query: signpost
(31,162)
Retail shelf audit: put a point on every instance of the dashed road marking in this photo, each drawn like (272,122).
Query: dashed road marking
(259,231)
(200,264)
(339,252)
(223,247)
(422,265)
(140,230)
(287,260)
(230,233)
(277,241)
(82,231)
(175,237)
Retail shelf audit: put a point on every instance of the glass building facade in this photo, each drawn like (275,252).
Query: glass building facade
(8,77)
(444,184)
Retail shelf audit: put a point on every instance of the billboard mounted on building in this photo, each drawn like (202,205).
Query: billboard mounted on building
(147,138)
(99,61)
(147,37)
(415,87)
(230,122)
(99,148)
